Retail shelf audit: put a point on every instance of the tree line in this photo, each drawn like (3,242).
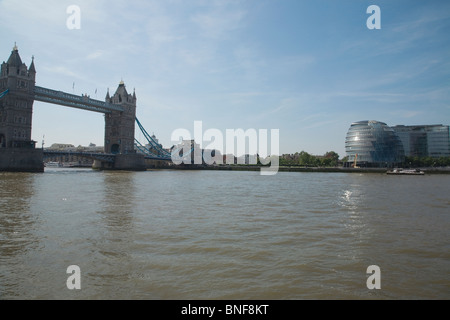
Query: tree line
(329,159)
(427,162)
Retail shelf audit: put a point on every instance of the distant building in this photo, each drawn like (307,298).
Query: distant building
(247,159)
(73,160)
(151,147)
(186,151)
(62,147)
(425,140)
(373,144)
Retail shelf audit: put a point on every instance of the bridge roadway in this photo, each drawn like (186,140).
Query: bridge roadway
(70,100)
(104,157)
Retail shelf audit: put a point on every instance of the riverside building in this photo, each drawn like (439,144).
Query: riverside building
(425,140)
(373,144)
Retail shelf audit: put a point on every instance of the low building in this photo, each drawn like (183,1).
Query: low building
(425,140)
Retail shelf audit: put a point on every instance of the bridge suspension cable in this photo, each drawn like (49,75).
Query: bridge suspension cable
(164,153)
(160,152)
(4,93)
(149,153)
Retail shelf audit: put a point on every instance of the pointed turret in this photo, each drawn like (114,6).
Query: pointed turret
(32,69)
(121,89)
(108,97)
(14,59)
(121,93)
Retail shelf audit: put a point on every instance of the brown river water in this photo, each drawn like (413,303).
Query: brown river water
(223,235)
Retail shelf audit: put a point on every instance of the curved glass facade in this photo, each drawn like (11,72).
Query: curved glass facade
(374,143)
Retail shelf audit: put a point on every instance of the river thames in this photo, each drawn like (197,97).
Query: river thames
(175,234)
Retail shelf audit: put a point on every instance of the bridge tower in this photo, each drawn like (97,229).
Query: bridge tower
(17,150)
(16,108)
(120,125)
(119,132)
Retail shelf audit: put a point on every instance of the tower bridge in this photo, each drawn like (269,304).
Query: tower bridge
(18,152)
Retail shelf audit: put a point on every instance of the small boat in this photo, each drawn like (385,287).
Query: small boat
(53,164)
(415,172)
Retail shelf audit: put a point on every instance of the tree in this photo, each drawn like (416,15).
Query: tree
(305,159)
(332,158)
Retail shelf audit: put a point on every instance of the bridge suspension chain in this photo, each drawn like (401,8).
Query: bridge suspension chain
(163,154)
(4,93)
(152,142)
(148,152)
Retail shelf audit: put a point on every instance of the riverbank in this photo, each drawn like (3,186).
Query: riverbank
(445,170)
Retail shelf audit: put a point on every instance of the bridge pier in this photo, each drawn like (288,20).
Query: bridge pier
(126,162)
(21,160)
(157,164)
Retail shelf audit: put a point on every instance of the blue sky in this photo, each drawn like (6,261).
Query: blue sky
(307,68)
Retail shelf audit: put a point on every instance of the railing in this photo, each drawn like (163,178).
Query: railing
(106,157)
(71,100)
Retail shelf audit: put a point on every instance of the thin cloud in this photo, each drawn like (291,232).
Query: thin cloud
(95,55)
(406,114)
(319,124)
(217,24)
(62,71)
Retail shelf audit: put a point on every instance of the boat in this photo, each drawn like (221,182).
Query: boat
(415,172)
(53,164)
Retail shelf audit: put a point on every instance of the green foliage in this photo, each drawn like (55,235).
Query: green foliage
(331,159)
(304,159)
(427,162)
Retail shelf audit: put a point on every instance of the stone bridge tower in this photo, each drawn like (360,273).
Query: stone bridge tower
(16,108)
(17,150)
(119,126)
(119,132)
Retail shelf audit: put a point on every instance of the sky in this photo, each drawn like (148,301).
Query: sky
(307,68)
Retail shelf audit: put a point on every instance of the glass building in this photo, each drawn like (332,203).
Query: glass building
(425,141)
(373,144)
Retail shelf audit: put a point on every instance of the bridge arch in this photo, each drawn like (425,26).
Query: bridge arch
(115,148)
